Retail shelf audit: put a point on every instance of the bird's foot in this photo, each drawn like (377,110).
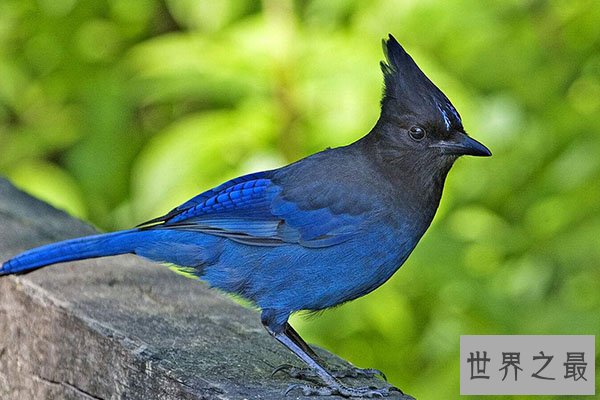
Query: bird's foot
(345,391)
(307,373)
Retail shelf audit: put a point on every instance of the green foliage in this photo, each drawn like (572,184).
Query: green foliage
(118,110)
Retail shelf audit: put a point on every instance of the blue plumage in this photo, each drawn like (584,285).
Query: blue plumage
(316,233)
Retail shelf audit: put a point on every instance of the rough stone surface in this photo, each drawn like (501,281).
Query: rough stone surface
(123,328)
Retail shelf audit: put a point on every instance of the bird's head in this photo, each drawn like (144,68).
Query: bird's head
(417,119)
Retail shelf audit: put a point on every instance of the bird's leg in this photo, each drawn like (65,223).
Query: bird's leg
(306,373)
(295,336)
(290,339)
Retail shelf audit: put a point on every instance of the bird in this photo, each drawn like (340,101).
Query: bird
(316,233)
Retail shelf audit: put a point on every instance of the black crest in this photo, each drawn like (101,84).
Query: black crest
(408,89)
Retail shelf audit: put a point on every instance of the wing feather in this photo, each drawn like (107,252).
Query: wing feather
(252,209)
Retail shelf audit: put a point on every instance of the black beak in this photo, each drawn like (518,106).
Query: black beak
(461,144)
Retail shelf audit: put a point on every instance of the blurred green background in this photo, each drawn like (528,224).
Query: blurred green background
(118,110)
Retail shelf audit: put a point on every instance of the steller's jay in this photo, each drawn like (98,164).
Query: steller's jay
(313,234)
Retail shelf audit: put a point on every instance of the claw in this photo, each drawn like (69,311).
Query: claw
(282,367)
(290,388)
(310,390)
(344,391)
(356,372)
(306,373)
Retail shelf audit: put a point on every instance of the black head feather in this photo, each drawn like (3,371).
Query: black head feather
(407,89)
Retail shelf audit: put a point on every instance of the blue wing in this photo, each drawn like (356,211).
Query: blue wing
(252,209)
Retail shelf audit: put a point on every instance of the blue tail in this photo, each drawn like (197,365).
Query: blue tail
(108,244)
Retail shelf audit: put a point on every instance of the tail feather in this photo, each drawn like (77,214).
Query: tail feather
(107,244)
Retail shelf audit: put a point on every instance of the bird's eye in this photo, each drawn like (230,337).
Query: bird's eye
(416,132)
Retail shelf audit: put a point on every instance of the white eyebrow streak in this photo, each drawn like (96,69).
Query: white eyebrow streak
(443,112)
(455,113)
